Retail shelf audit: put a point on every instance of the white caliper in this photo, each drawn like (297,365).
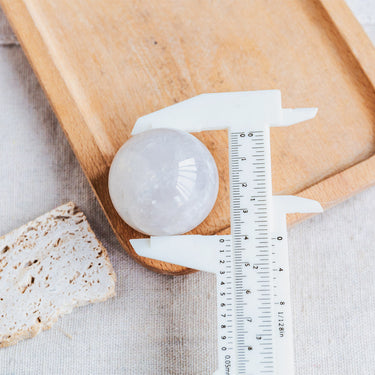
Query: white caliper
(255,333)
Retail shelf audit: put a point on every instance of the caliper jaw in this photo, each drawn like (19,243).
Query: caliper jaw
(244,109)
(200,252)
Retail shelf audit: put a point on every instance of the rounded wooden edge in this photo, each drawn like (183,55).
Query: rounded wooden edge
(165,268)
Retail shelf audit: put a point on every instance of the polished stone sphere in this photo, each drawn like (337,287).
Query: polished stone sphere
(163,182)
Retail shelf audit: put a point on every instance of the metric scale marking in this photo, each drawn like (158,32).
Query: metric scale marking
(255,335)
(250,246)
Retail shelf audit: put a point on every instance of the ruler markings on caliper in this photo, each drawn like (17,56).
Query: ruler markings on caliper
(253,298)
(243,144)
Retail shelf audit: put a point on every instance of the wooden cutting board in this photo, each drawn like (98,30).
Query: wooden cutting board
(104,63)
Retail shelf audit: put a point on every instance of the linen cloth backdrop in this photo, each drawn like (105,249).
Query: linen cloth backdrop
(167,325)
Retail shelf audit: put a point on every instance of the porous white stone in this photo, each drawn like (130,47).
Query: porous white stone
(163,182)
(47,267)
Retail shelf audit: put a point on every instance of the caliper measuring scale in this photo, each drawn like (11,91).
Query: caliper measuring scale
(255,333)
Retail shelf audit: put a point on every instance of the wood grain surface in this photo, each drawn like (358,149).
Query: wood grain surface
(103,64)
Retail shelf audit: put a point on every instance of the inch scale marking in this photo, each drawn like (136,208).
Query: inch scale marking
(255,334)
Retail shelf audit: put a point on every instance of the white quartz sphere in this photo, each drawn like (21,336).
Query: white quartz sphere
(163,182)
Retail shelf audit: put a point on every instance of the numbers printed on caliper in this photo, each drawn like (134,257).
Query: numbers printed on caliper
(225,310)
(251,250)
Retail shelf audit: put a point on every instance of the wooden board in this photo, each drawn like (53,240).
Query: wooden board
(103,64)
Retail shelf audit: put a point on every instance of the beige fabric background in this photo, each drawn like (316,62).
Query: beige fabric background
(164,325)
